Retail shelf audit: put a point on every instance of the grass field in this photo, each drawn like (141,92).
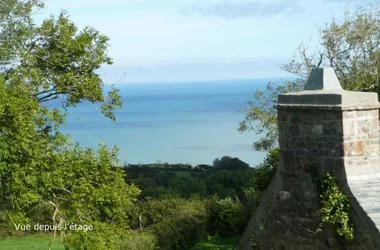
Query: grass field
(185,174)
(217,243)
(42,242)
(31,243)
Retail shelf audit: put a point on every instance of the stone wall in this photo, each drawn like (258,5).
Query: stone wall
(361,142)
(321,129)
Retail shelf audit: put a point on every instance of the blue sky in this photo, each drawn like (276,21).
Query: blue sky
(173,40)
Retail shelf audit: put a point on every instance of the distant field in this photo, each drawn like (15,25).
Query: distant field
(217,243)
(31,243)
(185,174)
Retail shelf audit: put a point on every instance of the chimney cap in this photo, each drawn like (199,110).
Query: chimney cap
(322,79)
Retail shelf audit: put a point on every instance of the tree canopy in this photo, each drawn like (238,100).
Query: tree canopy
(350,46)
(229,163)
(53,60)
(42,175)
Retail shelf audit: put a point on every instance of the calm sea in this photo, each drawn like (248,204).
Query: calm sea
(173,122)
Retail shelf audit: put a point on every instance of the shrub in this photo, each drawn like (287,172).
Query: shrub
(335,208)
(179,232)
(226,217)
(139,241)
(170,223)
(101,238)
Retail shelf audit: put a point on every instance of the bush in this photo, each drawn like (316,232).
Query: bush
(335,207)
(179,232)
(226,217)
(170,223)
(266,170)
(104,236)
(139,241)
(155,211)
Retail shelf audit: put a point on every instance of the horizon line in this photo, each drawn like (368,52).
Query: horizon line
(281,78)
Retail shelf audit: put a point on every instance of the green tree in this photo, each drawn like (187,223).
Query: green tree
(77,185)
(351,47)
(39,168)
(229,163)
(53,60)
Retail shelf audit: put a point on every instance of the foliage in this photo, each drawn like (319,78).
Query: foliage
(174,223)
(179,232)
(261,117)
(138,240)
(252,198)
(335,207)
(162,210)
(188,186)
(153,211)
(202,181)
(266,170)
(53,60)
(229,163)
(351,47)
(217,242)
(39,167)
(159,193)
(226,183)
(105,236)
(226,217)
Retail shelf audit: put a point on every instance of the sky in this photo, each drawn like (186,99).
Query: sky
(186,40)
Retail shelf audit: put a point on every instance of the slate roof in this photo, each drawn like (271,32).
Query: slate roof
(367,193)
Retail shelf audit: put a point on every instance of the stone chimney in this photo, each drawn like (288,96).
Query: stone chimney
(322,128)
(334,129)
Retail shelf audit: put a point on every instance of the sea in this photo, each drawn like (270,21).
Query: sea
(174,122)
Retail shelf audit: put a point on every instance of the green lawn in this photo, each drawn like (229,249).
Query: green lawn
(217,243)
(42,242)
(30,243)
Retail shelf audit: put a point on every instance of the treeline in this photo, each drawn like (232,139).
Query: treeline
(226,177)
(178,166)
(177,208)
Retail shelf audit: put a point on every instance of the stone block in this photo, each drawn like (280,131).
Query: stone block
(364,129)
(293,129)
(300,144)
(374,124)
(350,127)
(283,142)
(282,127)
(349,114)
(332,128)
(375,141)
(361,137)
(317,129)
(287,161)
(363,121)
(282,115)
(355,148)
(373,135)
(284,195)
(295,117)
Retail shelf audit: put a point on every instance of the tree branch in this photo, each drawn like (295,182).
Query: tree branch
(320,59)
